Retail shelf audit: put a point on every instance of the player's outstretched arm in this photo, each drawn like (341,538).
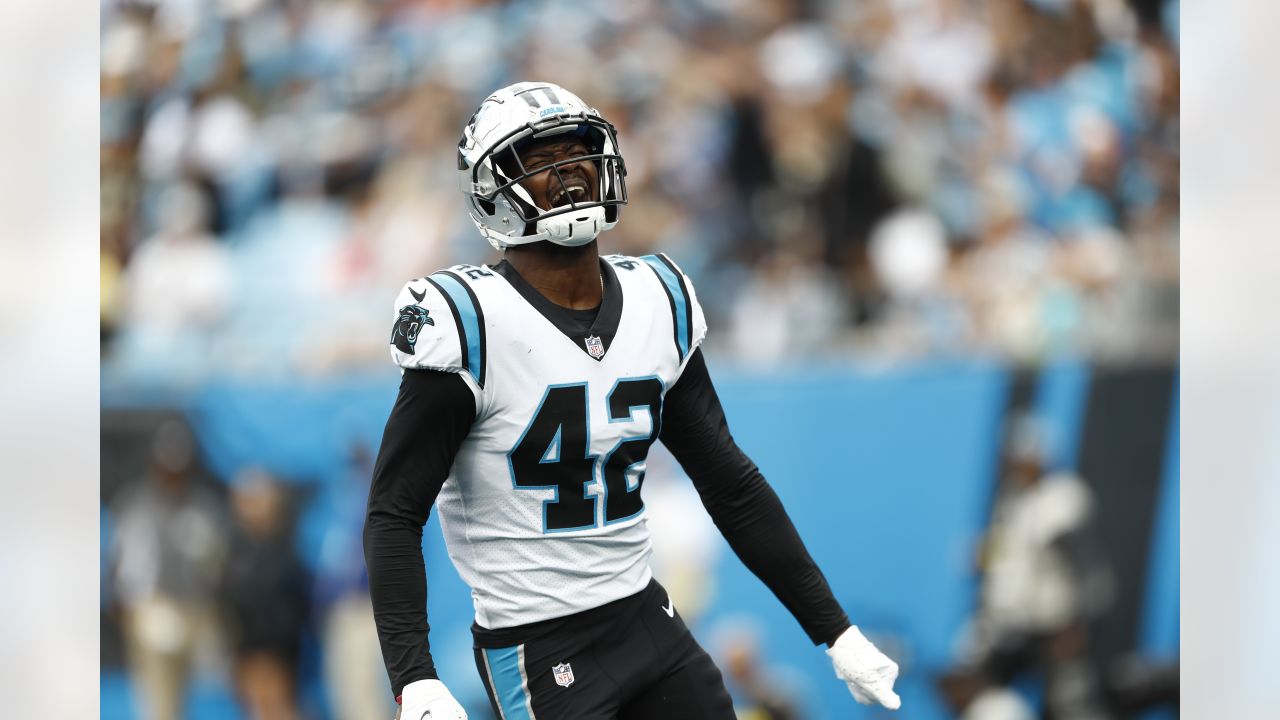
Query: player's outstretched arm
(432,415)
(753,521)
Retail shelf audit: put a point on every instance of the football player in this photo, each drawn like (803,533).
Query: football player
(531,393)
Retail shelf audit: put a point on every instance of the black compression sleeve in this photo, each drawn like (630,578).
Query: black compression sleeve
(742,504)
(432,415)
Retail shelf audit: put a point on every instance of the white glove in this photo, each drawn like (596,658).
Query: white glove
(868,671)
(429,700)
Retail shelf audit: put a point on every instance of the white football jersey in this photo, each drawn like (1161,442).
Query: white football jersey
(541,512)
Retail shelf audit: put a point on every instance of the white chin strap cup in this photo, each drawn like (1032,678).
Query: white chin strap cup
(573,228)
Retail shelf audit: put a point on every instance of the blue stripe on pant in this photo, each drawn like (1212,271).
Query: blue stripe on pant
(509,685)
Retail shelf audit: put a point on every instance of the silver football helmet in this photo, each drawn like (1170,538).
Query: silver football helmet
(490,169)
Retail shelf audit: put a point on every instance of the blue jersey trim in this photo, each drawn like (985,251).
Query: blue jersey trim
(470,321)
(680,306)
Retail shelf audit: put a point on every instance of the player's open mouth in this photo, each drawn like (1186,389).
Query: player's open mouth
(575,189)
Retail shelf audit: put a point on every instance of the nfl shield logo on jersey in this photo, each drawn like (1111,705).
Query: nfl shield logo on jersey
(564,674)
(595,347)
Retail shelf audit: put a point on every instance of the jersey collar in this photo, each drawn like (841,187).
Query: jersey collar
(577,325)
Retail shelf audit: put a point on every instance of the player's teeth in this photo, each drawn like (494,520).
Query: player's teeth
(575,191)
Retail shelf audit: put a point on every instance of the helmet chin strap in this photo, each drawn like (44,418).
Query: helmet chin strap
(574,228)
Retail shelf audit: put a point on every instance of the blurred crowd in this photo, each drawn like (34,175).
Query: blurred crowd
(249,598)
(207,584)
(1046,585)
(256,587)
(895,178)
(1044,582)
(883,178)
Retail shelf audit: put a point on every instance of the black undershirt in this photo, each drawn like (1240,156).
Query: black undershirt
(600,322)
(580,320)
(433,414)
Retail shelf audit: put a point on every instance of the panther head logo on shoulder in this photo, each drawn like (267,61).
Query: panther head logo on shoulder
(405,334)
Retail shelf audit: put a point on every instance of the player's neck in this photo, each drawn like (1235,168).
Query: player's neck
(567,276)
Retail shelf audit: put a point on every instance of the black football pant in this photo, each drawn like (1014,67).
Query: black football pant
(632,659)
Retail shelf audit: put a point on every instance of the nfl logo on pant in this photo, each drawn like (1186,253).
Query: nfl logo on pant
(564,674)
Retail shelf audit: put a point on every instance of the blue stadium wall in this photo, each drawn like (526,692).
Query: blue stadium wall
(889,474)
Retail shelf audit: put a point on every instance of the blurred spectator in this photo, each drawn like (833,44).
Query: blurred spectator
(1006,275)
(179,278)
(264,593)
(177,283)
(971,694)
(353,670)
(939,47)
(1044,581)
(787,308)
(1138,684)
(760,691)
(166,559)
(909,258)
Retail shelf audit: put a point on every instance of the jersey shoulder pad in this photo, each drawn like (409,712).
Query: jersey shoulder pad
(439,325)
(688,322)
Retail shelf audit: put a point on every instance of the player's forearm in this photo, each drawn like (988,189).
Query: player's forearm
(762,535)
(431,417)
(398,589)
(742,504)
